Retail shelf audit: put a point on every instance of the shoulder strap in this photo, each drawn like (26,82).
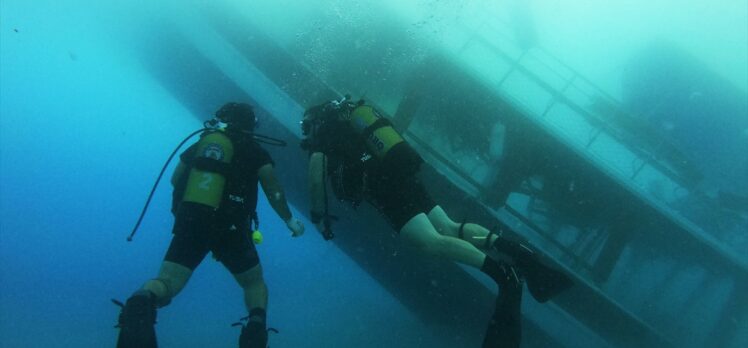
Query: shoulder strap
(211,165)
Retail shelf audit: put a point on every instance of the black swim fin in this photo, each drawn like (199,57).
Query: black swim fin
(254,335)
(136,321)
(505,328)
(543,281)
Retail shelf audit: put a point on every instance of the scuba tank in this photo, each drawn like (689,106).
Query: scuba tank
(207,179)
(376,131)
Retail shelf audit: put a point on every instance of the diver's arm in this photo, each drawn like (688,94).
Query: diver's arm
(274,191)
(276,198)
(181,167)
(316,184)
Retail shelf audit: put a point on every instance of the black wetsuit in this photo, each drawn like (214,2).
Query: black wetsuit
(390,184)
(199,228)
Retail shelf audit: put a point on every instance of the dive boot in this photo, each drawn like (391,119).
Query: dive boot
(543,281)
(136,321)
(505,328)
(254,335)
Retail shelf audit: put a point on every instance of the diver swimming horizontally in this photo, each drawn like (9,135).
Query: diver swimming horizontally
(214,201)
(367,160)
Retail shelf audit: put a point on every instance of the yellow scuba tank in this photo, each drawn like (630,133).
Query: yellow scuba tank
(379,135)
(206,187)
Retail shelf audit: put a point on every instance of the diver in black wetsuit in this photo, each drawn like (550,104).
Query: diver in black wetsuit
(215,194)
(366,159)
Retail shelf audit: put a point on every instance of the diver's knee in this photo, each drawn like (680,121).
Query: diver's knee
(436,214)
(172,277)
(441,221)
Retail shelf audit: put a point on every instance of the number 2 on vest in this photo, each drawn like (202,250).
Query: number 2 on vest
(205,183)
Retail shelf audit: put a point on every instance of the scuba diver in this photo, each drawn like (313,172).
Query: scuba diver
(214,201)
(357,148)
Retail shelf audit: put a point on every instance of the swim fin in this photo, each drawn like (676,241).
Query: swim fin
(543,281)
(505,328)
(136,321)
(254,335)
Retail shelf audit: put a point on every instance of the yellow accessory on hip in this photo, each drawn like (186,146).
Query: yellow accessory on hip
(257,236)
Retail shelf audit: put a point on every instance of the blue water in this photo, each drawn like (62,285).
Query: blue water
(83,134)
(84,130)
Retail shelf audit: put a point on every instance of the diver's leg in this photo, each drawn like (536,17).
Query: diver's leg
(254,334)
(238,254)
(543,281)
(421,233)
(138,316)
(505,324)
(186,251)
(473,233)
(254,287)
(172,277)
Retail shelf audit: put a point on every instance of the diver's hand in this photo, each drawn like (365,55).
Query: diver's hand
(320,227)
(324,228)
(323,222)
(295,226)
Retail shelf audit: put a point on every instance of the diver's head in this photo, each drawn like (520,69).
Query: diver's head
(330,110)
(237,116)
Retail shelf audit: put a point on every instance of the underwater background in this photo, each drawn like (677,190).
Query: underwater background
(95,95)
